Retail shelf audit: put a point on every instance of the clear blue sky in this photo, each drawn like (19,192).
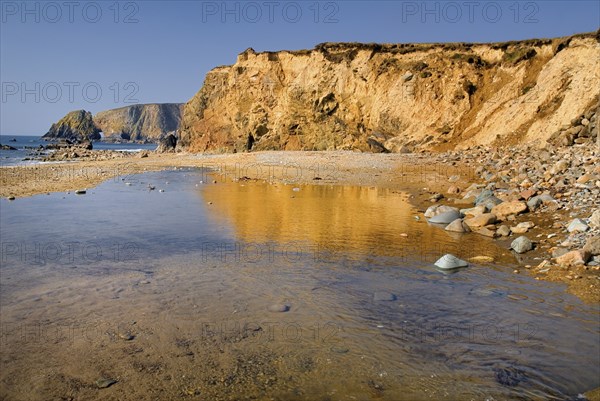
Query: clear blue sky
(55,56)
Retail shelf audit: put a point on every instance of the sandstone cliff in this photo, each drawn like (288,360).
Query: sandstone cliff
(140,121)
(76,126)
(394,97)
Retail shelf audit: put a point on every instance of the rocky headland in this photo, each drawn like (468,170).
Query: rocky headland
(140,122)
(136,123)
(76,126)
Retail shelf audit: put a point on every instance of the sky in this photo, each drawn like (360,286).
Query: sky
(59,56)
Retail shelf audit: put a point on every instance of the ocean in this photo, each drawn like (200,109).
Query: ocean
(25,145)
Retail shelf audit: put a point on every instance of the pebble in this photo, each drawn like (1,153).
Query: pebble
(11,198)
(503,231)
(105,383)
(338,349)
(278,308)
(383,296)
(126,336)
(481,259)
(80,192)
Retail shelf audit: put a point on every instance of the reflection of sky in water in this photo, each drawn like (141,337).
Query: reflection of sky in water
(110,217)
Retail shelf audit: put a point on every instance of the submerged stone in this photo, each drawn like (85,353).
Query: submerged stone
(279,308)
(384,296)
(449,261)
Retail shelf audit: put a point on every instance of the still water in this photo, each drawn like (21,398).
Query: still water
(171,294)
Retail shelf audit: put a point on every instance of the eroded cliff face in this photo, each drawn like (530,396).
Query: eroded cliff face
(403,97)
(139,122)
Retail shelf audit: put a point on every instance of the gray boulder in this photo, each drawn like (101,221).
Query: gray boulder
(458,226)
(446,217)
(483,196)
(521,245)
(577,225)
(448,262)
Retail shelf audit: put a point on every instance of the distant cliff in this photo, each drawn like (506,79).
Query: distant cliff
(76,126)
(140,122)
(394,97)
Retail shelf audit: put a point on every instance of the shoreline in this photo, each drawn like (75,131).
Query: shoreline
(426,177)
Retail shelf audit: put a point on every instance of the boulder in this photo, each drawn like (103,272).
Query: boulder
(521,245)
(538,200)
(556,252)
(503,231)
(505,209)
(592,245)
(528,193)
(577,225)
(534,203)
(490,202)
(483,196)
(448,262)
(595,219)
(481,221)
(486,232)
(458,226)
(573,258)
(522,228)
(474,211)
(434,210)
(446,217)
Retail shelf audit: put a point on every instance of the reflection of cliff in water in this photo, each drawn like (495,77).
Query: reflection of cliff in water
(336,218)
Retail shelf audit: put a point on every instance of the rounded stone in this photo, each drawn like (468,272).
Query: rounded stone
(449,261)
(383,296)
(446,217)
(521,245)
(279,308)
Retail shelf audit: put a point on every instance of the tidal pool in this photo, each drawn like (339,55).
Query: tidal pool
(253,290)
